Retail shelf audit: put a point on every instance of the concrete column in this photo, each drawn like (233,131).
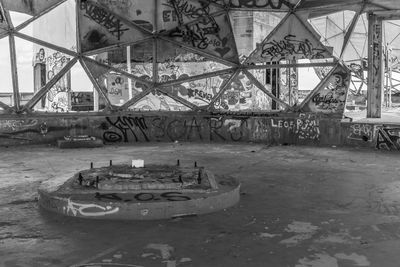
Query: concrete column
(375,67)
(95,100)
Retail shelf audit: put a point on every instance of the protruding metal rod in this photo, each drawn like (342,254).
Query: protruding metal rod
(199,177)
(91,165)
(110,162)
(80,179)
(195,164)
(177,163)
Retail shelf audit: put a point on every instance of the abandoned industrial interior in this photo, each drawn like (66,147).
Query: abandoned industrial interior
(150,133)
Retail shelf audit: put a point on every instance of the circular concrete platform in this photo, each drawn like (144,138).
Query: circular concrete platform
(153,192)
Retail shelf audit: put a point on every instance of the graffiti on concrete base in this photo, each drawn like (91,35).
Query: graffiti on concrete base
(88,210)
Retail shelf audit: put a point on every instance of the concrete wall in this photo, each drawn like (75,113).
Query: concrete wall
(273,129)
(299,129)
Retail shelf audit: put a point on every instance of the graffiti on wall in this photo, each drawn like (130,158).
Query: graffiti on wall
(211,35)
(154,128)
(291,47)
(362,132)
(179,66)
(381,136)
(289,86)
(180,12)
(117,88)
(242,94)
(139,129)
(81,101)
(227,130)
(126,125)
(334,98)
(16,125)
(178,129)
(146,129)
(331,98)
(199,92)
(139,12)
(305,127)
(271,4)
(290,41)
(376,53)
(101,28)
(173,13)
(57,98)
(105,19)
(38,130)
(160,102)
(237,129)
(388,138)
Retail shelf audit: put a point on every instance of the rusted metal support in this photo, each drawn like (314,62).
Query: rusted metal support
(96,85)
(177,98)
(320,86)
(223,88)
(113,47)
(78,28)
(375,66)
(14,72)
(46,44)
(260,86)
(155,45)
(198,77)
(4,106)
(136,98)
(351,28)
(327,63)
(199,52)
(122,72)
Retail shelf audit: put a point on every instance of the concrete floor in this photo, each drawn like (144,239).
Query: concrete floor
(300,207)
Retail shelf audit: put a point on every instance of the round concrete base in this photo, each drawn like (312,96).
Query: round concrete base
(95,203)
